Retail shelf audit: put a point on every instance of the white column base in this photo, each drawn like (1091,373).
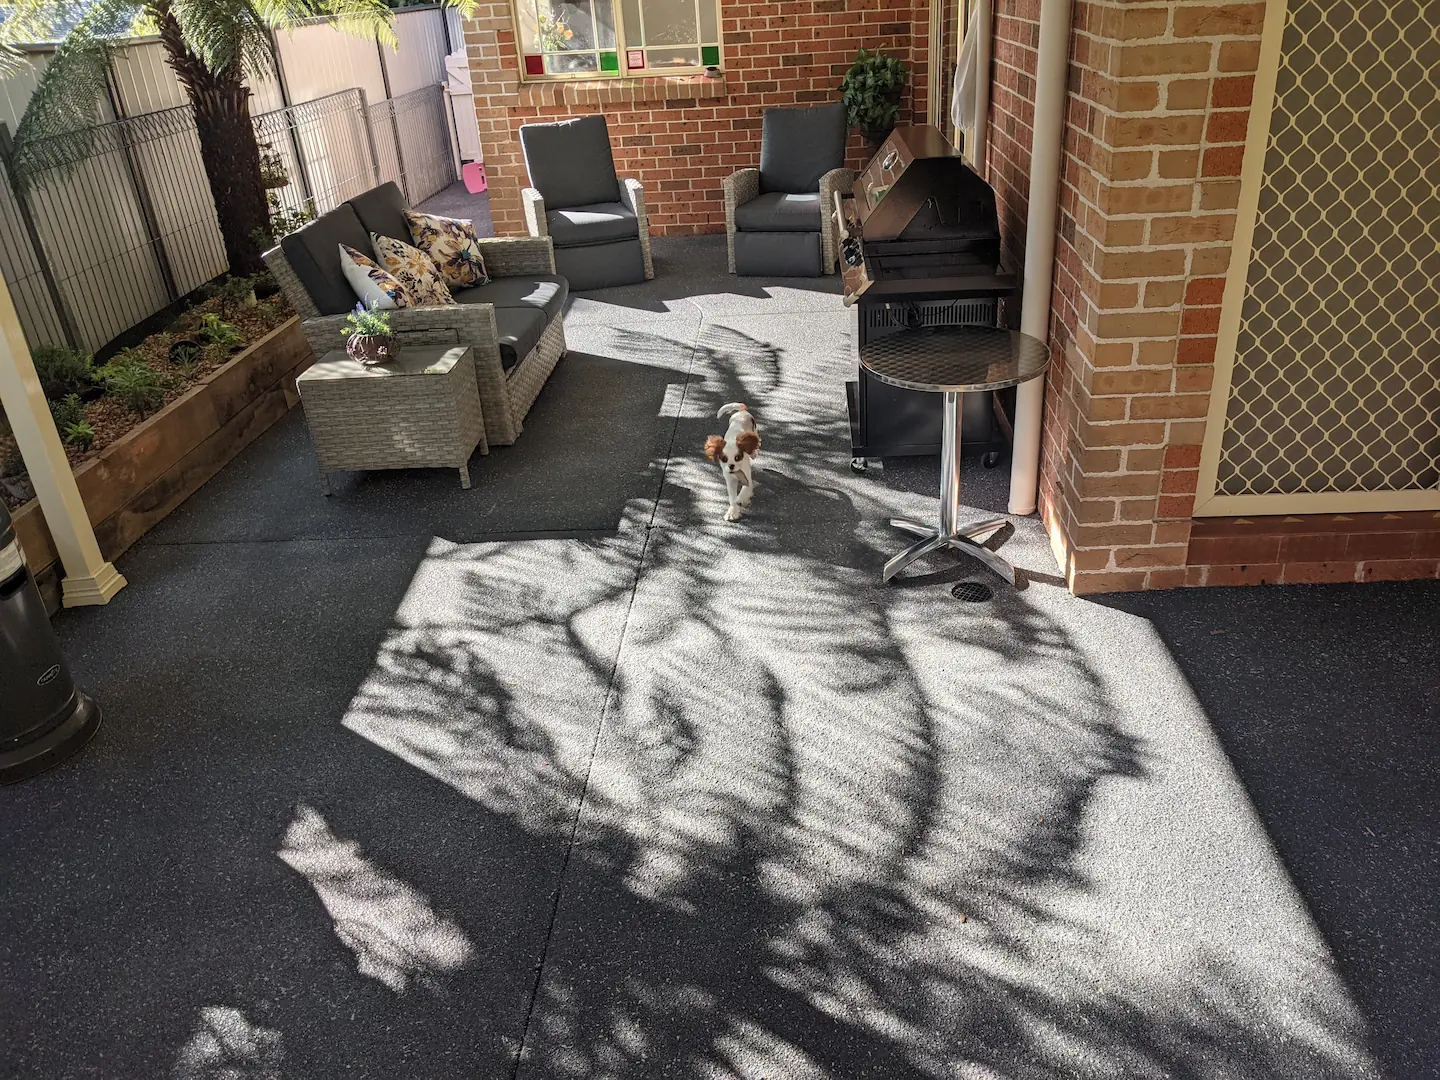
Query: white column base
(93,590)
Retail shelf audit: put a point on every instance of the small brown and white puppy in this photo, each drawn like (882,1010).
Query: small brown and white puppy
(733,452)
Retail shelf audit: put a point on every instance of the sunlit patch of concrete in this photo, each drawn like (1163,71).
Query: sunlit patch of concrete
(396,936)
(227,1046)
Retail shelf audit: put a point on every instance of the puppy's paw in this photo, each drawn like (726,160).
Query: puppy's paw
(746,496)
(733,514)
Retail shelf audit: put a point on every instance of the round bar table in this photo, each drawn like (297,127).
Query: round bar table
(953,360)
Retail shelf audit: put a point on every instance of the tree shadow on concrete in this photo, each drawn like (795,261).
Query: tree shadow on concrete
(698,801)
(827,829)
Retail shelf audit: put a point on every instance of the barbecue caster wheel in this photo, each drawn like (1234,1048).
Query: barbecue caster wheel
(859,464)
(991,459)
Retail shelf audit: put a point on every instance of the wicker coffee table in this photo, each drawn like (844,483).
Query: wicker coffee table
(419,410)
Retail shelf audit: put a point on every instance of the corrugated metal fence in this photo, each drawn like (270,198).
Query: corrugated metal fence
(123,223)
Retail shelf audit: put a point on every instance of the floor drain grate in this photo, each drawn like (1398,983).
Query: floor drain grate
(972,592)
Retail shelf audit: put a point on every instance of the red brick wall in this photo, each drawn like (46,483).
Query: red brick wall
(1156,118)
(1314,548)
(679,141)
(1012,111)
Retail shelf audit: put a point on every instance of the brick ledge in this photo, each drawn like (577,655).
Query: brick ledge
(1309,548)
(623,91)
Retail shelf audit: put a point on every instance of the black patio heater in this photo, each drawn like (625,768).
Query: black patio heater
(43,718)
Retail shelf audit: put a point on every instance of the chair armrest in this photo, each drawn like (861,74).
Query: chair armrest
(284,276)
(841,180)
(510,256)
(740,187)
(633,196)
(534,206)
(449,324)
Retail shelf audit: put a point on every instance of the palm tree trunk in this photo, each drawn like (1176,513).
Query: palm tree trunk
(227,145)
(232,162)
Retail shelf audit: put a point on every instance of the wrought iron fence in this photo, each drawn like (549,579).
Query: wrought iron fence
(119,221)
(324,150)
(412,142)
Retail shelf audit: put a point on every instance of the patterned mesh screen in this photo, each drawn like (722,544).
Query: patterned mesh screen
(1336,384)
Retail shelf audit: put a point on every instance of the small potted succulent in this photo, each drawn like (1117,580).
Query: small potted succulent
(872,89)
(368,337)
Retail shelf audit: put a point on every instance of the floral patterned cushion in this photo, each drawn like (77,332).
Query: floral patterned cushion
(420,276)
(374,287)
(454,246)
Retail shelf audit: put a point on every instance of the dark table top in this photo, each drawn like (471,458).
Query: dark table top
(955,358)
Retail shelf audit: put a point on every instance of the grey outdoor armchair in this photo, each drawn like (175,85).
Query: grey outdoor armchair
(778,217)
(596,220)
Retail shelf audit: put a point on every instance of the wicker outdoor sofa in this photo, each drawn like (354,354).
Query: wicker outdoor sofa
(515,351)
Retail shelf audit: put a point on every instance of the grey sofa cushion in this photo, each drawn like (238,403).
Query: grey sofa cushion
(314,254)
(382,210)
(543,292)
(798,146)
(777,254)
(601,266)
(775,211)
(519,329)
(598,223)
(570,162)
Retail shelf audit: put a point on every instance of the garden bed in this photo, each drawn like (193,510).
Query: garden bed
(133,480)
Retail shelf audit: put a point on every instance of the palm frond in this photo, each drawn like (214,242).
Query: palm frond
(363,18)
(218,32)
(465,7)
(66,97)
(27,22)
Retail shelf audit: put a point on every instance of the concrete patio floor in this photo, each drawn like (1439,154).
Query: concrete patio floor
(565,776)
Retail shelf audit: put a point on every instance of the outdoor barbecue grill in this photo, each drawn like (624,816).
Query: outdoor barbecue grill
(920,247)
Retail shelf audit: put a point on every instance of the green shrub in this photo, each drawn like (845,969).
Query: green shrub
(133,382)
(62,370)
(186,353)
(872,89)
(79,434)
(68,410)
(214,330)
(366,322)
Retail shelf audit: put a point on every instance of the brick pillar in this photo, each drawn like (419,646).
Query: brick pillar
(495,79)
(1157,115)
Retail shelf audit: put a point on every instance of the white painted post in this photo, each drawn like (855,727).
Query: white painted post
(89,579)
(1047,139)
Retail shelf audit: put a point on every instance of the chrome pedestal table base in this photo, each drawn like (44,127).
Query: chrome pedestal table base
(952,360)
(949,533)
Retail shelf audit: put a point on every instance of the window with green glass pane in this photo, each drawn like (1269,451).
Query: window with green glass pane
(573,37)
(670,35)
(583,38)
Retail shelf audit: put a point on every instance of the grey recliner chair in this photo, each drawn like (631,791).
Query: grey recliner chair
(596,221)
(778,217)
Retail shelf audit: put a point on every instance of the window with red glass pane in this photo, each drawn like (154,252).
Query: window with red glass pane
(590,39)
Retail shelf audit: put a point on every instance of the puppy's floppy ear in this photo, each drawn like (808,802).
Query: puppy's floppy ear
(748,442)
(713,445)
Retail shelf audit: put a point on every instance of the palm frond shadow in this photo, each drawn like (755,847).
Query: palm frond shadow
(791,810)
(825,824)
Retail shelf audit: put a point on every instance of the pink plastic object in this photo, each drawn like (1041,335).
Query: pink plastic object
(474,175)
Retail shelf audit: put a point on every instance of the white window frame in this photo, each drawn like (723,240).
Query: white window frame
(622,49)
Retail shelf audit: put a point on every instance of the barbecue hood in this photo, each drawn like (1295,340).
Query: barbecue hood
(918,187)
(920,219)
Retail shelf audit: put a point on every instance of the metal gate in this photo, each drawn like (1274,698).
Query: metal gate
(1327,374)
